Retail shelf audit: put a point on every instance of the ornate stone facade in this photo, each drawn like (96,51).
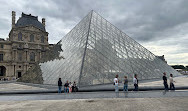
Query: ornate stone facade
(27,43)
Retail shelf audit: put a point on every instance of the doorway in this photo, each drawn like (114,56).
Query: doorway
(2,71)
(19,74)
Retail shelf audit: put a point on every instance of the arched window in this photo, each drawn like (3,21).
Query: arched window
(31,38)
(32,56)
(20,36)
(42,39)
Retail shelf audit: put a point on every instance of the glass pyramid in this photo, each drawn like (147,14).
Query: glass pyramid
(94,51)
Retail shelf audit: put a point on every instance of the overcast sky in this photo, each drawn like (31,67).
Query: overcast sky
(159,25)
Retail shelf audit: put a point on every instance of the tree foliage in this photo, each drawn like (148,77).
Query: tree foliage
(186,67)
(179,67)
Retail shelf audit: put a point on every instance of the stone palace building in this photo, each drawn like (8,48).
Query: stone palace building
(27,43)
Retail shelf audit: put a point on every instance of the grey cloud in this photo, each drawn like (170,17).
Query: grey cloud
(153,19)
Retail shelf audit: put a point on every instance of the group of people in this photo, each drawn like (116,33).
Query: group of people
(72,87)
(125,82)
(172,87)
(68,86)
(135,82)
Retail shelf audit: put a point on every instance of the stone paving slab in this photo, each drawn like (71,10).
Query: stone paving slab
(91,95)
(111,104)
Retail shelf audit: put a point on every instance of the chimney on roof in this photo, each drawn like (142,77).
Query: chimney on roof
(43,21)
(13,18)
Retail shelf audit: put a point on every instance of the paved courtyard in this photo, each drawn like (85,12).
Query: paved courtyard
(97,101)
(109,104)
(156,100)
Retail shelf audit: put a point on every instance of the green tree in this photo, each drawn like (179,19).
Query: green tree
(178,67)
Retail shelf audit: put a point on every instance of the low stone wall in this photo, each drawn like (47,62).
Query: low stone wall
(33,75)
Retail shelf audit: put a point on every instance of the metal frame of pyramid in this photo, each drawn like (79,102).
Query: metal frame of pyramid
(95,51)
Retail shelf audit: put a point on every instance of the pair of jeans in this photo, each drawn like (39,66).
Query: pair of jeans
(66,89)
(116,88)
(135,87)
(172,86)
(59,89)
(125,87)
(166,86)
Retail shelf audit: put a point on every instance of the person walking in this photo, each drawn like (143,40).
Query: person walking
(125,84)
(135,82)
(171,82)
(116,85)
(59,85)
(165,81)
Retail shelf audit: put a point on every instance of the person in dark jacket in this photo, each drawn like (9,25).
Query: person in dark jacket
(135,82)
(59,85)
(74,87)
(165,81)
(66,87)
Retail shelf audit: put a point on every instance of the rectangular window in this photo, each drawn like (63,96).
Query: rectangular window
(20,56)
(1,57)
(2,46)
(31,38)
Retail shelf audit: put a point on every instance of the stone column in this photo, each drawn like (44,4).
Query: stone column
(13,18)
(43,21)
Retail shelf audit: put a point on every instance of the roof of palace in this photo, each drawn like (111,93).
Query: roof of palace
(26,20)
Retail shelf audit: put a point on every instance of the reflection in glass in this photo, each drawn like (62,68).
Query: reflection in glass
(94,51)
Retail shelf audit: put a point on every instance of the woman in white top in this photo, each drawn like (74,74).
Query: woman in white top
(171,82)
(135,82)
(116,84)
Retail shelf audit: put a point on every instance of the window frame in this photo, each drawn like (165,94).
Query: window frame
(32,38)
(32,57)
(1,57)
(42,39)
(19,36)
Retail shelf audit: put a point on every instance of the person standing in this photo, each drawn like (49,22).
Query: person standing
(171,82)
(165,81)
(135,82)
(59,85)
(125,84)
(74,87)
(116,84)
(70,87)
(66,87)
